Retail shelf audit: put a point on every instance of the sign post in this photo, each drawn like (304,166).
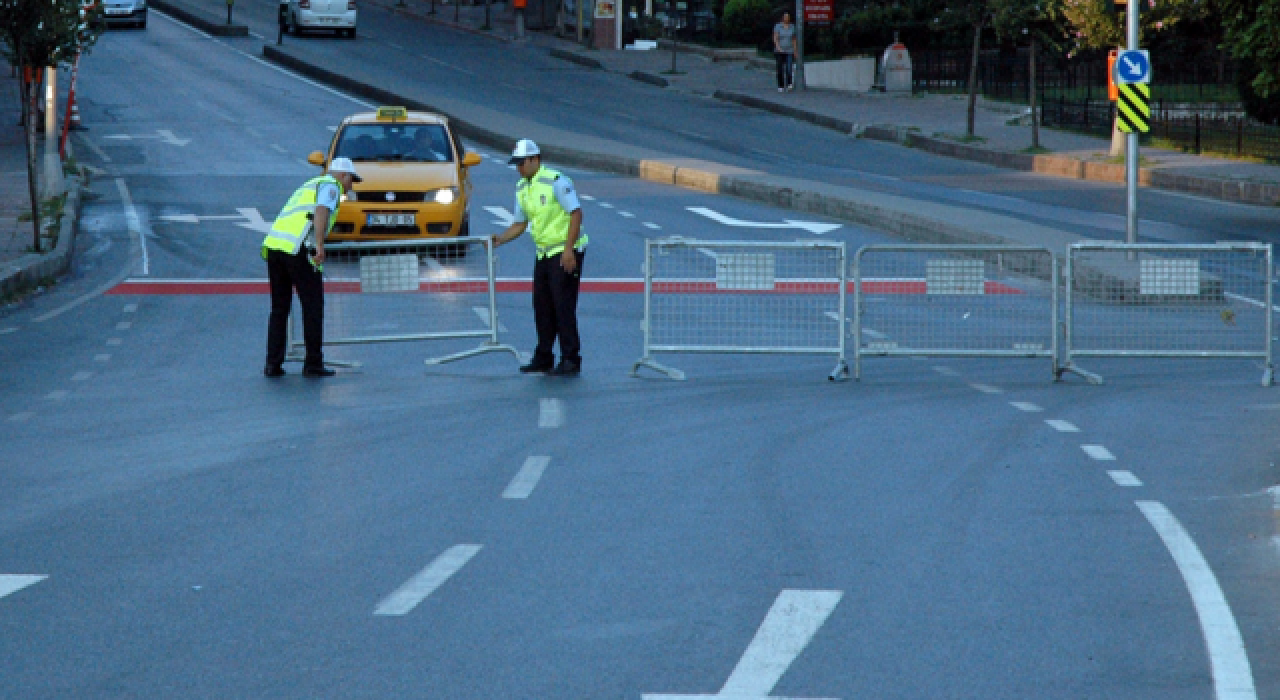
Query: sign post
(798,78)
(1133,78)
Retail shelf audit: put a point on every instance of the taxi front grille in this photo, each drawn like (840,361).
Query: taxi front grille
(381,196)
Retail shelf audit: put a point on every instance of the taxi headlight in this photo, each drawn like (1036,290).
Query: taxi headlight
(444,195)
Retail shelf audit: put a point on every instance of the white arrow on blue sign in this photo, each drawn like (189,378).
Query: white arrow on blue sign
(1133,66)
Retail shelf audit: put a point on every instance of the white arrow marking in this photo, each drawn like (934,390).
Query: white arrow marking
(119,137)
(504,217)
(792,621)
(168,137)
(253,220)
(815,227)
(160,135)
(12,583)
(1133,67)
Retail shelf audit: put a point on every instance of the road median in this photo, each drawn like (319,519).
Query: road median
(200,19)
(35,269)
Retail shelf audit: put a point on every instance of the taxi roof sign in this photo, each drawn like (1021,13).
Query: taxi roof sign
(391,113)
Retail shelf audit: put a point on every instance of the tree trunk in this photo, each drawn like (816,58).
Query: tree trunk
(973,74)
(1035,114)
(29,97)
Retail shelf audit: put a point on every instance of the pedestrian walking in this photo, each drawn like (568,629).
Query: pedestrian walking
(295,260)
(547,203)
(784,52)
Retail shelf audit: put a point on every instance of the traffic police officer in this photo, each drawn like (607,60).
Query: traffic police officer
(546,201)
(295,257)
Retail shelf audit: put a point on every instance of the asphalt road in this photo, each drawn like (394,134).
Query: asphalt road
(465,532)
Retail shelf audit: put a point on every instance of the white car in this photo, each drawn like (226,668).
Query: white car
(132,12)
(339,16)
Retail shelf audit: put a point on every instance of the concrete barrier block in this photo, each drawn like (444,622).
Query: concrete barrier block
(657,171)
(701,180)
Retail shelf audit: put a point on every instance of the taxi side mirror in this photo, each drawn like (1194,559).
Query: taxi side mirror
(471,160)
(316,158)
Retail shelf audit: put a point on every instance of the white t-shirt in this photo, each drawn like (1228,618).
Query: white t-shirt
(565,195)
(328,196)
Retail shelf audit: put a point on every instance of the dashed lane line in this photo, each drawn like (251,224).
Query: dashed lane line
(1062,426)
(1098,452)
(114,341)
(81,376)
(527,478)
(586,197)
(626,215)
(21,417)
(550,413)
(653,226)
(57,395)
(124,325)
(1124,477)
(130,308)
(415,590)
(102,357)
(12,583)
(986,388)
(605,205)
(7,331)
(1228,659)
(945,371)
(1025,406)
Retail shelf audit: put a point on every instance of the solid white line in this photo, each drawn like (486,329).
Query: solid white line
(527,478)
(792,621)
(12,583)
(122,276)
(416,589)
(1124,478)
(945,371)
(550,413)
(81,376)
(1098,452)
(1228,660)
(987,388)
(1024,406)
(135,225)
(1062,426)
(653,226)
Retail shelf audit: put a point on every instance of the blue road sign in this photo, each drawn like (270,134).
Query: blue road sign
(1133,67)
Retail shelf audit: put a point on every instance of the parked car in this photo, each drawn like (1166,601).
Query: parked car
(125,12)
(338,16)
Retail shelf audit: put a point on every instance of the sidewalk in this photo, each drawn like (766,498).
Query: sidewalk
(931,122)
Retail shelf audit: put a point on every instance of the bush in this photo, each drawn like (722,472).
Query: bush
(748,21)
(1264,109)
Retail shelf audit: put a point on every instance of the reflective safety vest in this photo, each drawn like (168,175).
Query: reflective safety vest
(549,220)
(293,224)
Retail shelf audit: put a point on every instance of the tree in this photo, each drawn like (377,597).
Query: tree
(1252,37)
(974,16)
(1043,24)
(37,34)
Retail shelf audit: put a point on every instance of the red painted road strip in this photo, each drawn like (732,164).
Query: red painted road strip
(589,286)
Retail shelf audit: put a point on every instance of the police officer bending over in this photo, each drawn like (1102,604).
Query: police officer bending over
(292,264)
(545,199)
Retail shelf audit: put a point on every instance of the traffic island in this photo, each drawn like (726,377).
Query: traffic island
(200,18)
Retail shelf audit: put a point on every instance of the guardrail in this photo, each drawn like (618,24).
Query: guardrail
(955,301)
(1171,301)
(743,298)
(399,291)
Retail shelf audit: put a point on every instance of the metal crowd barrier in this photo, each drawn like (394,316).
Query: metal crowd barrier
(743,297)
(1172,301)
(955,301)
(399,291)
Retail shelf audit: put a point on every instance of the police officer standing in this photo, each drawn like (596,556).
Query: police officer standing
(546,201)
(295,258)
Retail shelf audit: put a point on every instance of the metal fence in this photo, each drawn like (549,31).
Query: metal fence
(1155,300)
(381,292)
(955,301)
(744,297)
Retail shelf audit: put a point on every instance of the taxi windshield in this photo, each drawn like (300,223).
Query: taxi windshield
(409,143)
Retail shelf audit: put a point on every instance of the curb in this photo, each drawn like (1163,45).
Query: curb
(200,19)
(649,78)
(32,269)
(573,57)
(841,125)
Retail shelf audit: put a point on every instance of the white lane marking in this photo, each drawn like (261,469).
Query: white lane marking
(651,225)
(1062,426)
(1228,660)
(814,227)
(796,616)
(102,357)
(502,217)
(122,276)
(57,395)
(527,478)
(1247,300)
(114,341)
(624,115)
(130,309)
(483,313)
(416,589)
(124,325)
(22,417)
(945,371)
(626,215)
(7,331)
(550,413)
(253,220)
(1098,452)
(395,46)
(986,388)
(692,134)
(330,128)
(586,197)
(94,147)
(447,65)
(257,36)
(81,376)
(1025,406)
(135,225)
(605,205)
(278,148)
(12,583)
(1124,477)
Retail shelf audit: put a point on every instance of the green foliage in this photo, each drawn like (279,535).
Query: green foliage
(1251,34)
(1096,25)
(748,21)
(47,32)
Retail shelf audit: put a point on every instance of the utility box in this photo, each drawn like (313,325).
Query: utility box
(896,69)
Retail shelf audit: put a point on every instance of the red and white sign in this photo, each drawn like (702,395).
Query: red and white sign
(819,11)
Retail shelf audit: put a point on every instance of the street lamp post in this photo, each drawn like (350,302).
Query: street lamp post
(1132,155)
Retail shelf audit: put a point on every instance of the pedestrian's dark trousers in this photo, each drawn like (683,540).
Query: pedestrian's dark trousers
(786,68)
(287,273)
(555,310)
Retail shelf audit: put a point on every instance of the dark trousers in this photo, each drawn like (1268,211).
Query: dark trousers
(786,68)
(555,310)
(287,273)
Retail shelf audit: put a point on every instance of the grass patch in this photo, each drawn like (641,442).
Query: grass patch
(1036,150)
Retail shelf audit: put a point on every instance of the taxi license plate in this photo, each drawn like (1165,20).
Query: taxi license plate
(114,11)
(391,220)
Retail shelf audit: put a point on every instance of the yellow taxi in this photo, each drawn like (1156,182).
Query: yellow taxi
(416,183)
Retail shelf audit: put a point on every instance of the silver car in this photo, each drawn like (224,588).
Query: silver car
(338,16)
(127,12)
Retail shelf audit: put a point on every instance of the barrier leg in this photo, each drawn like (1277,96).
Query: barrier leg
(840,373)
(482,349)
(671,372)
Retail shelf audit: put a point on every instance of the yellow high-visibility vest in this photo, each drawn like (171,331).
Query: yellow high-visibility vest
(293,223)
(547,219)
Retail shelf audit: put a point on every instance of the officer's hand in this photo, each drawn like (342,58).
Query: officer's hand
(569,261)
(493,239)
(318,257)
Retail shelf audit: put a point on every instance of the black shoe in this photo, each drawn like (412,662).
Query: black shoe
(273,372)
(567,369)
(317,372)
(535,368)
